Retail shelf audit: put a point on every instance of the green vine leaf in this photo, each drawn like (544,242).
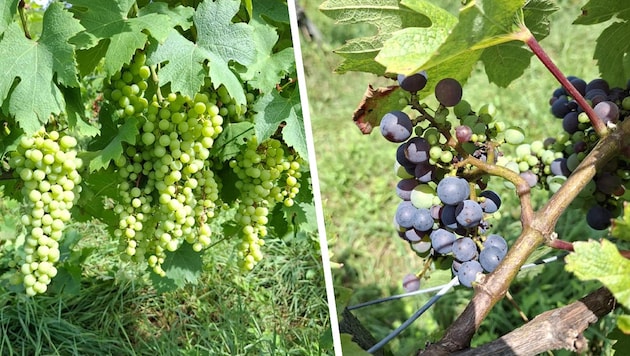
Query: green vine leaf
(387,15)
(612,51)
(272,110)
(621,226)
(109,145)
(268,68)
(8,10)
(226,42)
(108,22)
(184,70)
(40,66)
(276,10)
(410,46)
(602,261)
(613,60)
(232,139)
(182,267)
(598,11)
(178,16)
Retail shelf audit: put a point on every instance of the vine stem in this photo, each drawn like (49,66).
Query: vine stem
(23,19)
(598,125)
(568,246)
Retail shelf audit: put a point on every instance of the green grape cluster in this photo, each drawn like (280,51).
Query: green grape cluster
(168,189)
(267,174)
(48,165)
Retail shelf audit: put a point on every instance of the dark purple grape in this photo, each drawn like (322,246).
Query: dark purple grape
(590,94)
(424,172)
(491,203)
(406,214)
(598,217)
(463,133)
(414,82)
(409,167)
(579,84)
(464,249)
(421,246)
(447,217)
(396,126)
(417,150)
(467,273)
(442,241)
(468,213)
(616,94)
(424,220)
(558,92)
(559,167)
(580,146)
(448,92)
(607,111)
(494,240)
(530,178)
(413,235)
(435,211)
(453,190)
(570,122)
(404,188)
(560,107)
(598,84)
(411,283)
(490,257)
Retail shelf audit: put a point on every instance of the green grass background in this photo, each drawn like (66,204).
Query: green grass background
(357,186)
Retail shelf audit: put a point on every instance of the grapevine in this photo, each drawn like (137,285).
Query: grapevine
(452,153)
(155,130)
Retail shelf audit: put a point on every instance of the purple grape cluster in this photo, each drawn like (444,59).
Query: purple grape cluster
(601,197)
(443,216)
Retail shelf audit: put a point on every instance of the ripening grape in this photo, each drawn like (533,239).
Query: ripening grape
(396,126)
(411,283)
(467,272)
(453,190)
(448,92)
(414,82)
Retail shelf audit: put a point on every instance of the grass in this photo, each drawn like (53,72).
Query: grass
(357,186)
(277,309)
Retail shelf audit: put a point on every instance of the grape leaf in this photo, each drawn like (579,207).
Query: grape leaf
(410,46)
(276,10)
(622,341)
(621,226)
(96,188)
(75,111)
(226,41)
(611,51)
(623,323)
(182,267)
(376,103)
(272,109)
(8,10)
(184,70)
(268,68)
(481,25)
(108,21)
(598,11)
(178,16)
(602,261)
(111,139)
(39,65)
(231,140)
(387,15)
